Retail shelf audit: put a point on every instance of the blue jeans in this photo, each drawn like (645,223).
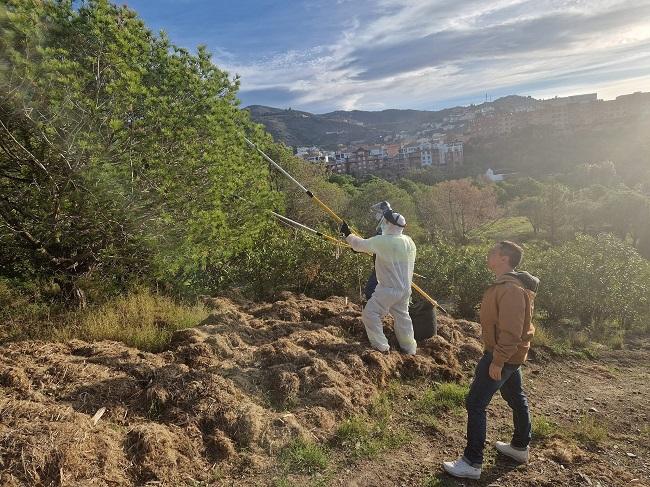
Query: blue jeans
(371,285)
(480,395)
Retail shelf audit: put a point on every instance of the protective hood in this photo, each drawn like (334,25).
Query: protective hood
(387,228)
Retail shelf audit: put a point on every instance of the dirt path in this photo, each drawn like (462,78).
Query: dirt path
(614,389)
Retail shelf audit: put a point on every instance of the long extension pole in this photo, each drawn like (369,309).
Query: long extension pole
(296,224)
(293,223)
(331,212)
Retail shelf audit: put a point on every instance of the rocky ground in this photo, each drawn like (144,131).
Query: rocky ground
(230,397)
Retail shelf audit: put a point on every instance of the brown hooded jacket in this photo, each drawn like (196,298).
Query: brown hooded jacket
(506,317)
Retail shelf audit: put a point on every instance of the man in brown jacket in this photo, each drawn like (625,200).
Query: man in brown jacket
(506,314)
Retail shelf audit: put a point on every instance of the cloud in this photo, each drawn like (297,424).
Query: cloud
(417,54)
(268,96)
(542,36)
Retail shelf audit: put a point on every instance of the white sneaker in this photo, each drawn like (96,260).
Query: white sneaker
(520,456)
(460,468)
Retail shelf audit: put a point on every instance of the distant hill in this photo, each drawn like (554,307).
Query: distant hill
(512,103)
(298,128)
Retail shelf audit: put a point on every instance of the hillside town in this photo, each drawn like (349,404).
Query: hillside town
(387,158)
(440,144)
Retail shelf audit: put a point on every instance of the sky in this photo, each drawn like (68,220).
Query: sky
(326,55)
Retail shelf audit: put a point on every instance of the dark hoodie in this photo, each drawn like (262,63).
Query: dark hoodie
(529,281)
(506,315)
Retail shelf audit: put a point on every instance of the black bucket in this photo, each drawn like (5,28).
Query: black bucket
(423,316)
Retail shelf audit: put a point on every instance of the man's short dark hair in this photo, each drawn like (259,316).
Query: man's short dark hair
(511,250)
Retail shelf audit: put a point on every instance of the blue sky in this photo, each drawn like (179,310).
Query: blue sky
(325,55)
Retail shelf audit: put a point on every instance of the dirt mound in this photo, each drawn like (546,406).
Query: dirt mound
(229,392)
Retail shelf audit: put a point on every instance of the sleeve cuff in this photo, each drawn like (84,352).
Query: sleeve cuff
(498,361)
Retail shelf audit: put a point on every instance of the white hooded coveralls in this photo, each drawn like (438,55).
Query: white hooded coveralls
(395,259)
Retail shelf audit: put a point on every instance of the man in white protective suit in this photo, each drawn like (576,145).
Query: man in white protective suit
(394,261)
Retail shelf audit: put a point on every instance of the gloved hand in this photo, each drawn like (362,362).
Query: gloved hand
(345,229)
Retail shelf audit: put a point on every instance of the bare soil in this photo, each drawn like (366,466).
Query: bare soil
(228,395)
(613,389)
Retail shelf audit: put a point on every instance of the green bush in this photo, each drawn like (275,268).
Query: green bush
(291,260)
(454,273)
(597,280)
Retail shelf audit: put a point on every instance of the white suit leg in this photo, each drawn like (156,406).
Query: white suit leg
(376,308)
(404,326)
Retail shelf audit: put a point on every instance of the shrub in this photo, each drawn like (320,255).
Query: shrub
(455,273)
(300,263)
(597,280)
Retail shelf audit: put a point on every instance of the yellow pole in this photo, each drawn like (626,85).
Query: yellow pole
(427,297)
(338,219)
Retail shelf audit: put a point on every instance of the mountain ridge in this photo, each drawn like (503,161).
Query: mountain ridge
(301,128)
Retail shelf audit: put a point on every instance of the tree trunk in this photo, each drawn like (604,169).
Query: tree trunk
(71,293)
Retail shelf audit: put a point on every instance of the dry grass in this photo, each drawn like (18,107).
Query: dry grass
(142,319)
(579,339)
(614,340)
